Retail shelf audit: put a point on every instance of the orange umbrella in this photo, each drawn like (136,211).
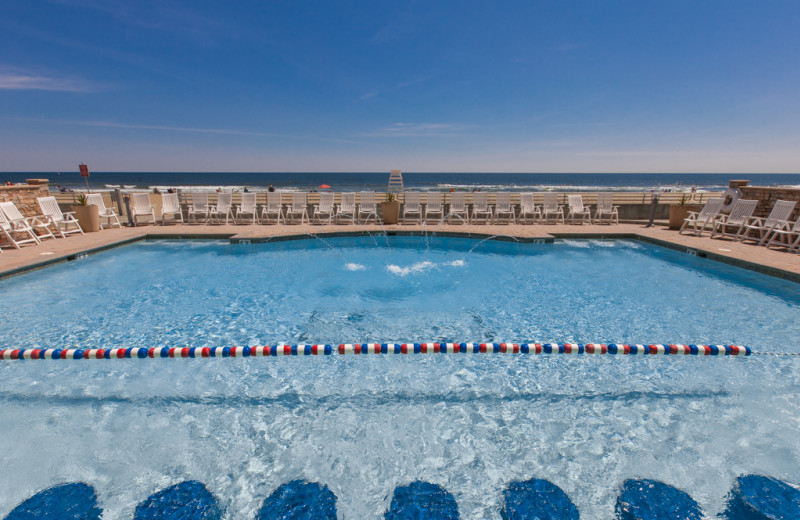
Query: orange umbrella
(324,187)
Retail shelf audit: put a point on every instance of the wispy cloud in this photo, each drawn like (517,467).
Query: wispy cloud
(18,80)
(399,86)
(418,130)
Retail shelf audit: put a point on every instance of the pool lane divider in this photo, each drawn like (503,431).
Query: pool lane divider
(378,348)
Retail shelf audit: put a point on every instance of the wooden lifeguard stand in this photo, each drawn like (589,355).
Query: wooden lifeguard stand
(395,182)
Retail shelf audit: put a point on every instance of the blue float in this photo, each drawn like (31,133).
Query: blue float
(189,500)
(755,497)
(537,499)
(646,499)
(74,501)
(299,500)
(420,500)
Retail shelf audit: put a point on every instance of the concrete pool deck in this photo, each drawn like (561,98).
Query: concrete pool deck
(773,262)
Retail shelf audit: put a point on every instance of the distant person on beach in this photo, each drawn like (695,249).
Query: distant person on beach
(271,188)
(452,190)
(155,190)
(170,190)
(9,183)
(246,190)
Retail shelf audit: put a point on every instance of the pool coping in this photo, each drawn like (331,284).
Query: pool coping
(548,238)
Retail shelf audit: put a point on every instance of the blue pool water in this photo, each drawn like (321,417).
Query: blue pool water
(366,425)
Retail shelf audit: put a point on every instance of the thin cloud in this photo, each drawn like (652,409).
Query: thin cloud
(27,81)
(418,130)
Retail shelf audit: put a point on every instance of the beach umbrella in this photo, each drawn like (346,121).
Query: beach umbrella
(324,187)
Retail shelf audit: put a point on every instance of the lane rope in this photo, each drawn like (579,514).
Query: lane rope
(383,348)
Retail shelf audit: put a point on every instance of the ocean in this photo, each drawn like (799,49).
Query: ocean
(416,181)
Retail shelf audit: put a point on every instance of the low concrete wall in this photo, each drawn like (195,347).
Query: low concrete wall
(24,197)
(766,198)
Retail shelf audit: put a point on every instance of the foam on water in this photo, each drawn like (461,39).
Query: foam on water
(364,425)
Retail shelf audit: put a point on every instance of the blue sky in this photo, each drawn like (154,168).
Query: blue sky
(529,86)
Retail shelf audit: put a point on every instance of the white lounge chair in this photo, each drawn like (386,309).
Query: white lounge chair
(458,208)
(433,206)
(274,208)
(96,199)
(367,206)
(503,210)
(62,221)
(481,210)
(199,207)
(787,235)
(577,209)
(247,207)
(12,228)
(528,208)
(298,207)
(323,209)
(346,209)
(606,208)
(141,207)
(731,225)
(762,227)
(698,222)
(412,208)
(170,206)
(39,224)
(550,206)
(223,207)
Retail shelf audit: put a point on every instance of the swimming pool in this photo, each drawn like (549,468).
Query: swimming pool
(364,425)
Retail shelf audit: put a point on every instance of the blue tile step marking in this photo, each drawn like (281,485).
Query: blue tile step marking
(74,501)
(755,497)
(422,501)
(646,499)
(537,499)
(189,500)
(299,500)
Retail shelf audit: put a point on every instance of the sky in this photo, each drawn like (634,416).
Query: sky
(528,86)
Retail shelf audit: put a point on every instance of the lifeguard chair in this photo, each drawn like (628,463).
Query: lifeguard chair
(395,182)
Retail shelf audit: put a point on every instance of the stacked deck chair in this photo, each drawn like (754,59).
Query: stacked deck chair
(199,207)
(323,209)
(17,231)
(170,206)
(367,206)
(550,207)
(274,207)
(65,223)
(698,222)
(503,210)
(481,210)
(787,236)
(346,209)
(761,228)
(528,209)
(142,208)
(412,208)
(96,199)
(606,208)
(458,208)
(433,207)
(731,225)
(577,209)
(247,207)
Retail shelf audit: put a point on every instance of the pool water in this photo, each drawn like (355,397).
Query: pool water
(363,425)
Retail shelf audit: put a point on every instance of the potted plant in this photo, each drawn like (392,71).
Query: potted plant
(88,215)
(390,209)
(678,212)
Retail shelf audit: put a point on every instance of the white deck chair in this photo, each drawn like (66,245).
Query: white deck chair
(141,207)
(274,207)
(367,206)
(606,208)
(481,210)
(13,227)
(346,209)
(527,208)
(96,199)
(40,223)
(503,208)
(62,221)
(577,209)
(458,208)
(763,227)
(223,207)
(412,206)
(323,209)
(730,225)
(787,236)
(247,207)
(170,206)
(550,206)
(433,206)
(298,207)
(697,222)
(199,207)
